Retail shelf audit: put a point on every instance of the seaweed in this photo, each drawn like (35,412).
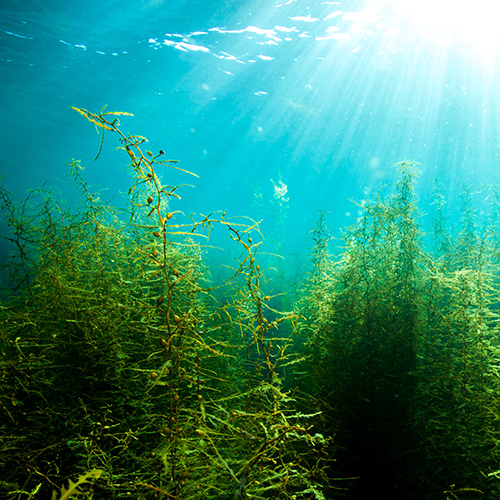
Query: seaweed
(401,356)
(121,354)
(72,488)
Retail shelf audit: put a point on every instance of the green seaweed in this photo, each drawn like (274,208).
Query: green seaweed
(402,349)
(124,351)
(121,354)
(72,488)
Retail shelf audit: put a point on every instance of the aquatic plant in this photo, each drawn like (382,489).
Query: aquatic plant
(402,349)
(72,488)
(120,353)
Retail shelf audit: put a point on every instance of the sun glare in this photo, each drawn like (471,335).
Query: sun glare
(472,21)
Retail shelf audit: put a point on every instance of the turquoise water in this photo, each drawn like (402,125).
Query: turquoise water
(281,109)
(295,105)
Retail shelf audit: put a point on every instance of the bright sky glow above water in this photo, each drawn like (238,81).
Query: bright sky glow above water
(473,21)
(443,21)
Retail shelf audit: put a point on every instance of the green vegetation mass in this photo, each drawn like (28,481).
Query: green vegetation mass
(125,364)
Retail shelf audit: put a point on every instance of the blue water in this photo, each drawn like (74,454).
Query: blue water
(281,107)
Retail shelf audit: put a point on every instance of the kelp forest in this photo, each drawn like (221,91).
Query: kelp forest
(129,371)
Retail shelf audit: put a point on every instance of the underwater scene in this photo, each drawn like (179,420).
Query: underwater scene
(250,250)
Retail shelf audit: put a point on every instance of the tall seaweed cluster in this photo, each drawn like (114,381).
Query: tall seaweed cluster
(404,349)
(120,355)
(124,361)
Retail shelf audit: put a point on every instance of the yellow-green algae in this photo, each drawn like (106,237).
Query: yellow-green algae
(117,355)
(121,354)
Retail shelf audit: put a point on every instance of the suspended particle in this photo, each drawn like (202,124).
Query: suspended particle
(150,200)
